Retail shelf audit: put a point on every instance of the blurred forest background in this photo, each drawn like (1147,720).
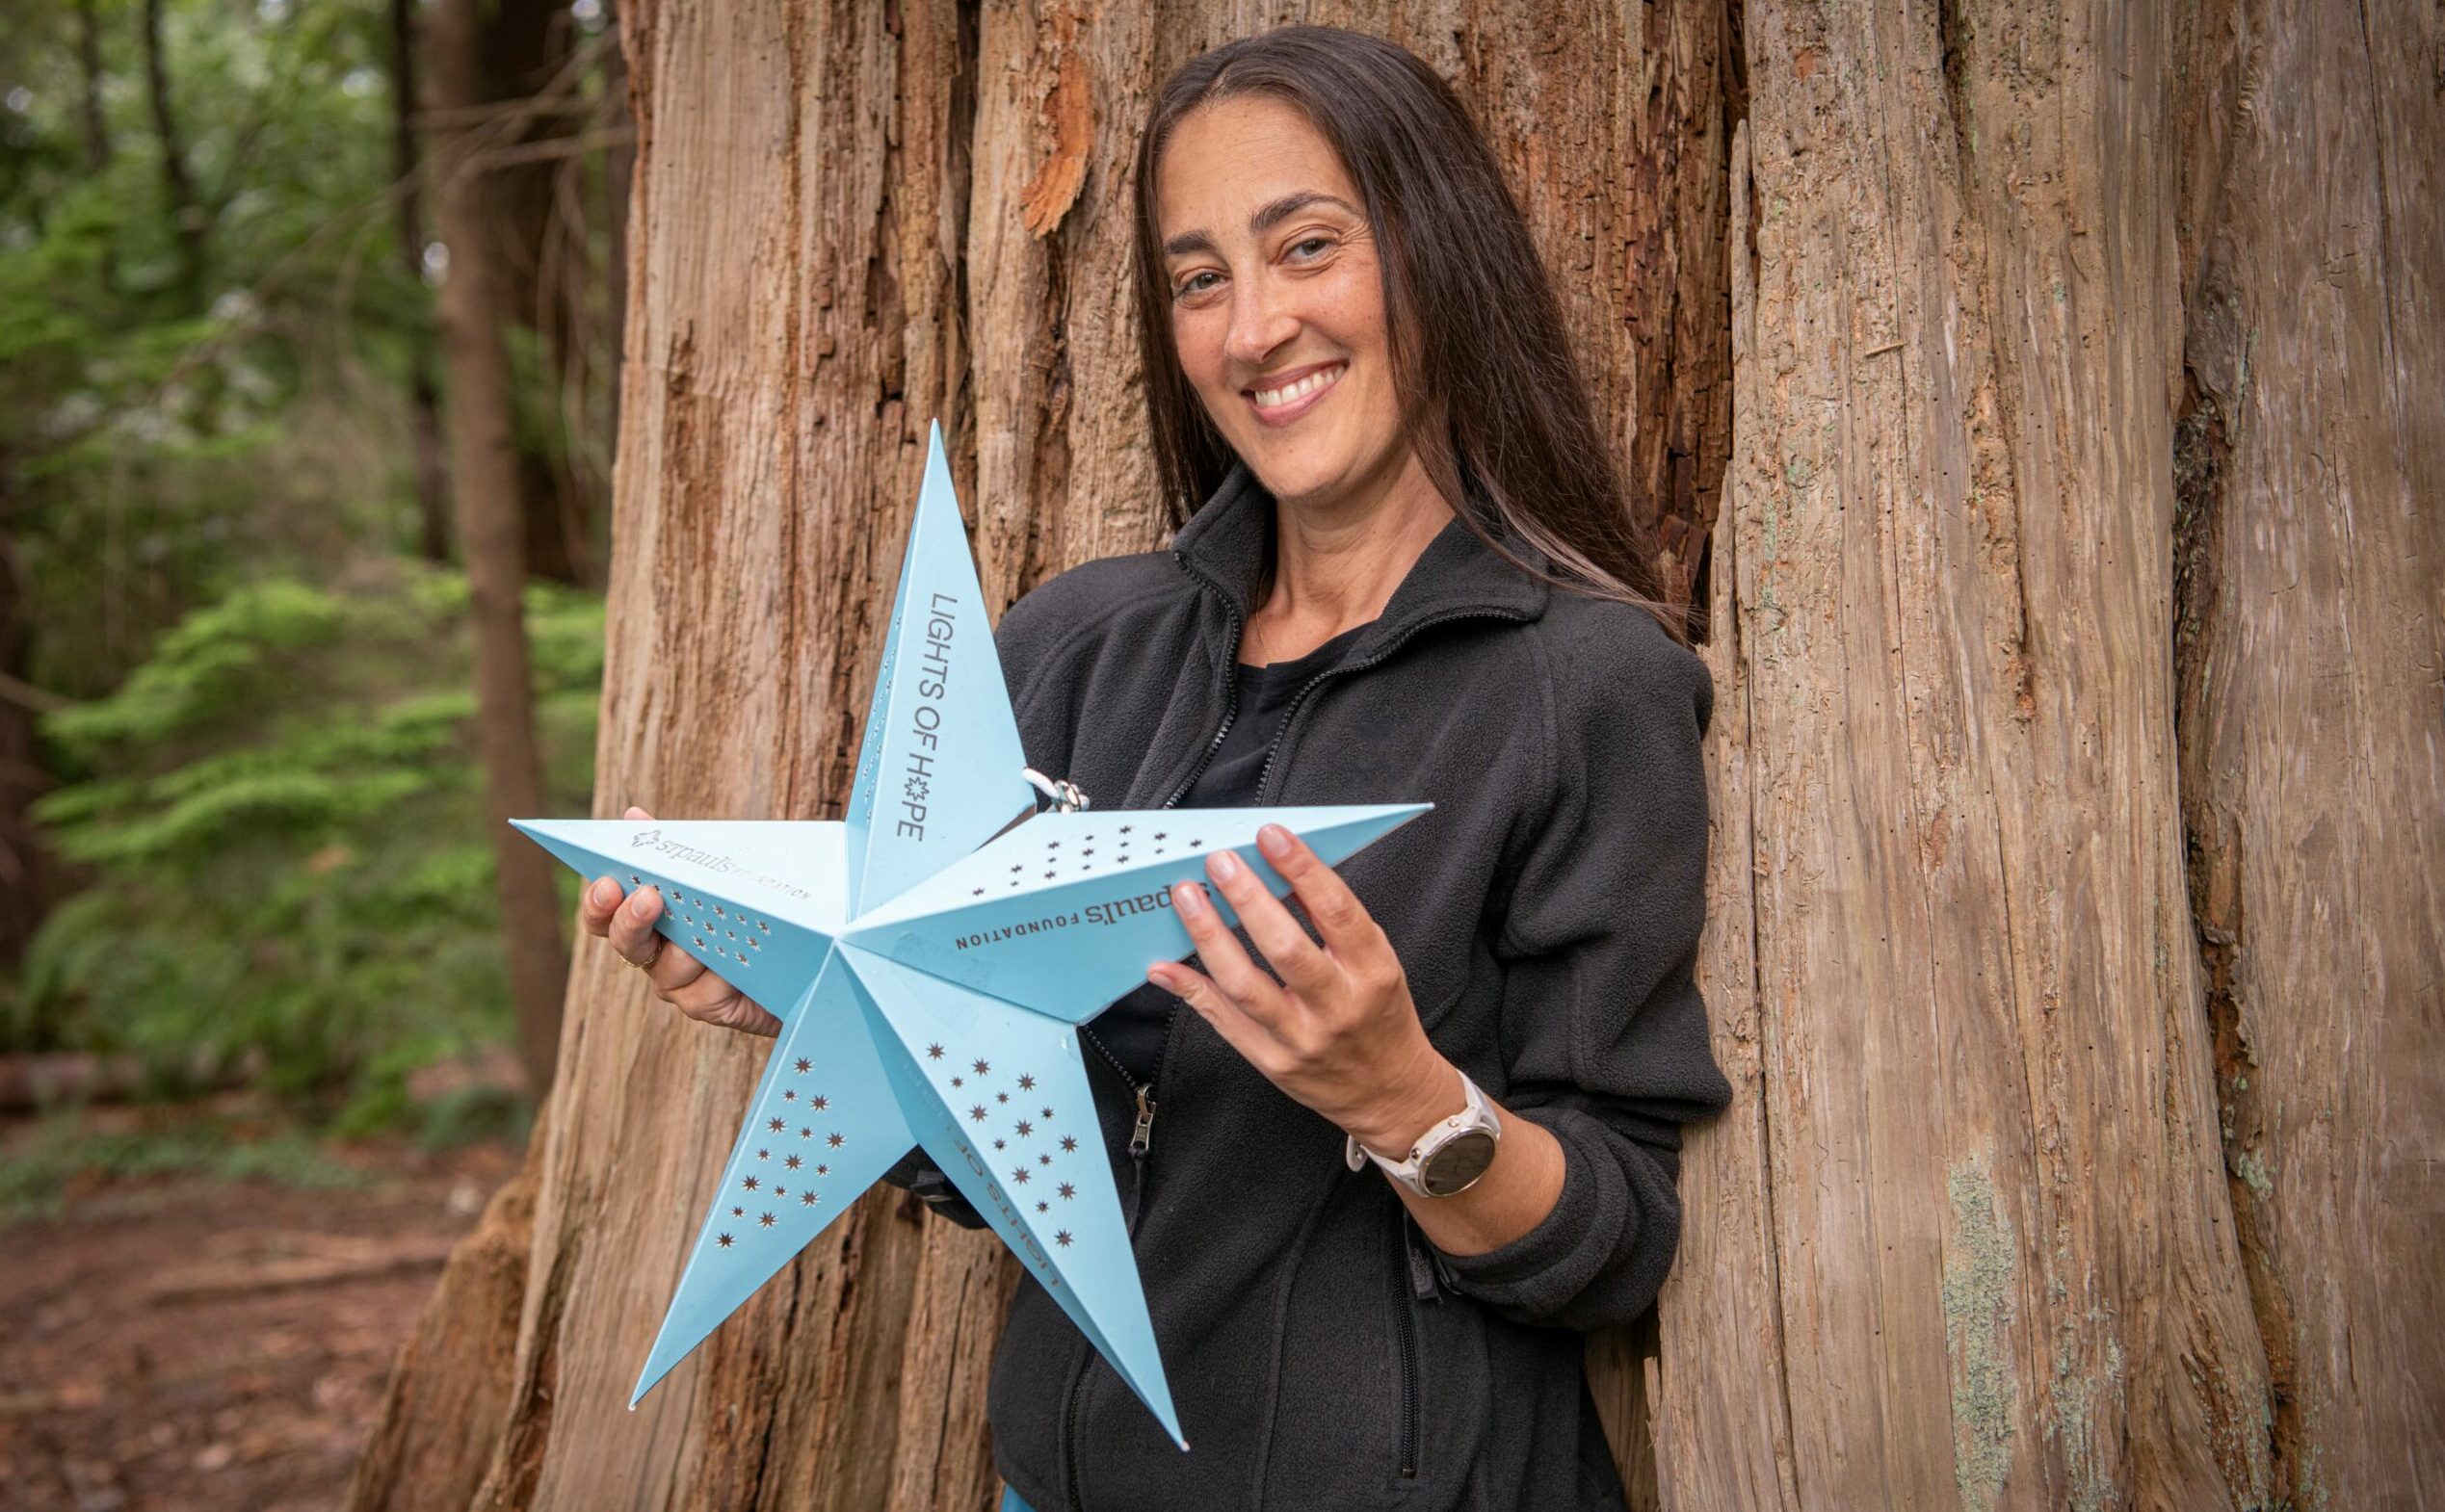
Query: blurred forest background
(242,789)
(256,986)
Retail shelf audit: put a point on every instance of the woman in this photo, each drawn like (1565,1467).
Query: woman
(1412,576)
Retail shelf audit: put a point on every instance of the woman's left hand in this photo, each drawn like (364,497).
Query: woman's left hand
(1339,1031)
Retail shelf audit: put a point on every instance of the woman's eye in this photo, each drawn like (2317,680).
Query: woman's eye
(1189,285)
(1313,241)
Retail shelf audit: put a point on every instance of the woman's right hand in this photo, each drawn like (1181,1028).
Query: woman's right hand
(679,979)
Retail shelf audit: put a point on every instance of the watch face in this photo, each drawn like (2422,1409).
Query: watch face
(1457,1163)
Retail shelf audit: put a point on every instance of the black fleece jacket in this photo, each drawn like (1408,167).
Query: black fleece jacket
(1321,1351)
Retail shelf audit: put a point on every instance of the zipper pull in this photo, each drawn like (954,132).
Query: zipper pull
(1142,1138)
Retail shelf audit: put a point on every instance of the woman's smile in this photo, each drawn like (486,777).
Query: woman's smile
(1288,396)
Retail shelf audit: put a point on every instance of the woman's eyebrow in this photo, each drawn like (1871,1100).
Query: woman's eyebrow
(1267,218)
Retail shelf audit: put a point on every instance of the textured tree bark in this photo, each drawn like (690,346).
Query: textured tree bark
(1969,1237)
(485,494)
(2310,466)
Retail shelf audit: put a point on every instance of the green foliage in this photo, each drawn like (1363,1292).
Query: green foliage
(167,436)
(285,817)
(37,1172)
(264,785)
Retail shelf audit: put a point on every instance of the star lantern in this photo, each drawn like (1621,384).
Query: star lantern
(929,957)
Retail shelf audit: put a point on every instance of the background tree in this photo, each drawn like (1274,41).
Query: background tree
(485,487)
(2078,970)
(241,820)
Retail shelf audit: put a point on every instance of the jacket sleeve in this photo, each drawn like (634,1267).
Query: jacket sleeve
(1603,1036)
(1027,631)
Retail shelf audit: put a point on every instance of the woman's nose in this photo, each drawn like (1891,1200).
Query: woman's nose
(1261,322)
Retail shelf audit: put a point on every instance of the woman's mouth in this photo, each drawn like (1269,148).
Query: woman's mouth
(1284,403)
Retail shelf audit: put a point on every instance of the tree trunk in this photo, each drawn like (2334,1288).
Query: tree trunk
(620,169)
(425,444)
(188,221)
(485,485)
(2309,466)
(527,51)
(26,867)
(93,130)
(1967,1236)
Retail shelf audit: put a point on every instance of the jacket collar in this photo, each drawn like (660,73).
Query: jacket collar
(1223,544)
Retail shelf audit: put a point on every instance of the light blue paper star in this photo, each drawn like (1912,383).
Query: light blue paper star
(929,957)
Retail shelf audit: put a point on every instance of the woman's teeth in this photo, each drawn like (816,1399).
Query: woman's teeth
(1275,397)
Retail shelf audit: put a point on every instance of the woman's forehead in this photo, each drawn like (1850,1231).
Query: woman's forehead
(1229,158)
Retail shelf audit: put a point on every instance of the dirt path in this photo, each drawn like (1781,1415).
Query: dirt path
(208,1345)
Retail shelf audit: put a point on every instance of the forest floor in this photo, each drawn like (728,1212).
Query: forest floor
(200,1312)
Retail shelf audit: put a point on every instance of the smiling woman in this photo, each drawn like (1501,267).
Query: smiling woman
(1420,1126)
(1307,198)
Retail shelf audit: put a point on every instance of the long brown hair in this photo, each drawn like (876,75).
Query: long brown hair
(1518,437)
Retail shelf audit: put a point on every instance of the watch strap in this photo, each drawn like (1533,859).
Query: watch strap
(1476,1114)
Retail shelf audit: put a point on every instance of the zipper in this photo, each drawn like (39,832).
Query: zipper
(1298,700)
(1230,681)
(1141,1131)
(1408,1327)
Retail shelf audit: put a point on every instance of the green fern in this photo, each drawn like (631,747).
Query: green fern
(285,817)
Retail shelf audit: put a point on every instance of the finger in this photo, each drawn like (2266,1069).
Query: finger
(1226,960)
(699,993)
(1286,945)
(632,926)
(1349,931)
(673,969)
(597,907)
(634,812)
(1253,1041)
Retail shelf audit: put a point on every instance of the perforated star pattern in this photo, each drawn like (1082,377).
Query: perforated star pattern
(929,957)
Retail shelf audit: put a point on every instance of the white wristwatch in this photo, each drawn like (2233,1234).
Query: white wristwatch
(1449,1157)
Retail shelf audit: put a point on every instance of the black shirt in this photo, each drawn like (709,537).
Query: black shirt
(1131,1031)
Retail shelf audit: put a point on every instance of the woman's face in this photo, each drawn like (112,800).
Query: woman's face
(1277,298)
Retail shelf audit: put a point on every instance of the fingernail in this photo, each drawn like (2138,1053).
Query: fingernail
(1227,866)
(606,891)
(1274,841)
(1186,898)
(640,905)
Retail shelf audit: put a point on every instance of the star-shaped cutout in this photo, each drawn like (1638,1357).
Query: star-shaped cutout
(879,943)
